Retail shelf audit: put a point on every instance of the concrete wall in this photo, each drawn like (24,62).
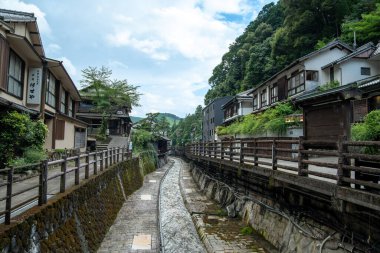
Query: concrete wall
(77,220)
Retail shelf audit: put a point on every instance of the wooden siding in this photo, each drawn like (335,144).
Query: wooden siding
(60,130)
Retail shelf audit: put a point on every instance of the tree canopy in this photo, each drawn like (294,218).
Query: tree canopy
(285,31)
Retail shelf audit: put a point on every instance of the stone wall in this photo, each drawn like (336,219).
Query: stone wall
(284,230)
(77,220)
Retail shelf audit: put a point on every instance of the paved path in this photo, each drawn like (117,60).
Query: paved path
(135,228)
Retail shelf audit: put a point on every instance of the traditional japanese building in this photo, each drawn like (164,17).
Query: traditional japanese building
(32,83)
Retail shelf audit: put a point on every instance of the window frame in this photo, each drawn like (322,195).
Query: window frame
(63,101)
(296,84)
(365,69)
(255,103)
(312,73)
(13,78)
(51,90)
(70,106)
(274,93)
(264,93)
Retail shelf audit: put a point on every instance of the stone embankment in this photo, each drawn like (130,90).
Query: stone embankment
(285,232)
(77,220)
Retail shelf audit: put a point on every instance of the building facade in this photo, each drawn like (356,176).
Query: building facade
(238,106)
(32,83)
(213,116)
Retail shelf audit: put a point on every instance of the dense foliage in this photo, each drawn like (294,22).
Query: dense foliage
(271,120)
(285,31)
(21,139)
(368,130)
(188,129)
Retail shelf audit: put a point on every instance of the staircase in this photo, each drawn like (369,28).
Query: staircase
(116,141)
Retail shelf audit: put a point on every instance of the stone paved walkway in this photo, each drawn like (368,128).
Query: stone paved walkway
(135,228)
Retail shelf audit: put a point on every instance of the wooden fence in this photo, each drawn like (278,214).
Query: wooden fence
(98,160)
(345,163)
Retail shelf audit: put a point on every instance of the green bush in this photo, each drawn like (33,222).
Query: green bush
(20,137)
(272,119)
(329,86)
(368,130)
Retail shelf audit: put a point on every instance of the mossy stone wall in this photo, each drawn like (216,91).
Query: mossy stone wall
(77,220)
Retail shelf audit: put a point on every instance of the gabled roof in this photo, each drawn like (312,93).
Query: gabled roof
(366,47)
(60,72)
(216,100)
(31,20)
(240,96)
(335,43)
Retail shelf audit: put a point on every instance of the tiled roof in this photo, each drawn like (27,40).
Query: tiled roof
(358,51)
(16,16)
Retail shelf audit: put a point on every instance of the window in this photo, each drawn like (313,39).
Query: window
(255,102)
(63,101)
(332,74)
(312,75)
(263,97)
(365,71)
(50,90)
(274,94)
(70,107)
(15,75)
(296,83)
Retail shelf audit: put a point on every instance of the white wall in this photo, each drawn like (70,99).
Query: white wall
(351,70)
(320,60)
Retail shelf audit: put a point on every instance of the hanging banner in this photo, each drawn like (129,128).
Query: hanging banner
(34,86)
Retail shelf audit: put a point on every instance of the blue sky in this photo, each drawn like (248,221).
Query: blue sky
(168,48)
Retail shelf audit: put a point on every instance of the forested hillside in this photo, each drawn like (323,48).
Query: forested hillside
(287,30)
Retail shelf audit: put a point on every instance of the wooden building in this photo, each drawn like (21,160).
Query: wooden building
(32,83)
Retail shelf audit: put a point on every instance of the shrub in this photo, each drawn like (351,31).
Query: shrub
(329,86)
(368,130)
(273,120)
(20,136)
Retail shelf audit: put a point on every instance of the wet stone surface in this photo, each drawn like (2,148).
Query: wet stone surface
(178,231)
(218,232)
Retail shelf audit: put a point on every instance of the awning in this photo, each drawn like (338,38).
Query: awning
(26,50)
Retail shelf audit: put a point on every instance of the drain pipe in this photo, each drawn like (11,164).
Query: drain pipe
(324,241)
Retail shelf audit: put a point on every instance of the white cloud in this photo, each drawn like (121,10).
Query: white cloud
(68,66)
(181,27)
(52,48)
(31,8)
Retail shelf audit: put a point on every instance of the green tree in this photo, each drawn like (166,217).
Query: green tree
(106,94)
(367,29)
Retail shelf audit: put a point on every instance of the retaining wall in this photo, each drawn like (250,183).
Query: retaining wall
(77,220)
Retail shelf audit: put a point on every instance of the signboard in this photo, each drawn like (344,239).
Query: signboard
(34,86)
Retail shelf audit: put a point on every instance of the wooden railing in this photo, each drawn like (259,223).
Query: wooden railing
(93,162)
(345,163)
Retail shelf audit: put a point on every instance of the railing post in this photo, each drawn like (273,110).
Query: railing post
(106,157)
(255,157)
(274,155)
(113,155)
(77,170)
(43,183)
(342,160)
(214,148)
(95,163)
(118,154)
(63,176)
(221,150)
(241,153)
(87,168)
(301,156)
(231,153)
(101,160)
(8,204)
(122,153)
